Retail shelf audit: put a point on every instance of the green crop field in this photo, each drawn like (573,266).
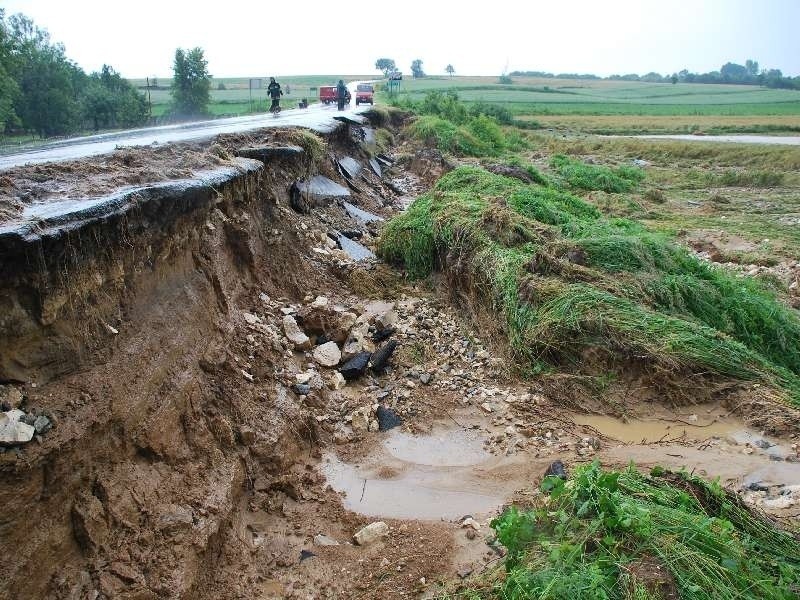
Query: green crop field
(771,110)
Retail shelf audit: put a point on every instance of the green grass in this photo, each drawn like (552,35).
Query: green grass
(563,279)
(595,532)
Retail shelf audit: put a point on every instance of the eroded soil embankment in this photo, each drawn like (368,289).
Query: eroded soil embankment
(117,327)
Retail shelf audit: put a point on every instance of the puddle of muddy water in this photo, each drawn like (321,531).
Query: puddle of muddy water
(418,493)
(643,431)
(443,475)
(453,448)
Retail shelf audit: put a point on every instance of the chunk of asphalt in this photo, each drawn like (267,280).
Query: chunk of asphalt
(376,167)
(304,554)
(383,334)
(356,366)
(556,469)
(387,418)
(380,357)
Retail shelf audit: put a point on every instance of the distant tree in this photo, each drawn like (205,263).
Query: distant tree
(111,101)
(752,67)
(221,86)
(9,89)
(674,79)
(416,69)
(386,65)
(191,83)
(49,84)
(505,79)
(731,72)
(450,70)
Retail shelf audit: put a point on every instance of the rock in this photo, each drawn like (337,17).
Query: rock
(89,524)
(387,418)
(470,522)
(487,407)
(327,321)
(763,444)
(386,320)
(302,389)
(42,424)
(250,318)
(323,540)
(294,334)
(320,302)
(471,535)
(337,381)
(371,533)
(328,354)
(556,469)
(356,366)
(360,418)
(425,378)
(380,357)
(11,396)
(13,430)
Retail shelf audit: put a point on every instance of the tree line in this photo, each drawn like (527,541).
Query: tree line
(43,92)
(747,74)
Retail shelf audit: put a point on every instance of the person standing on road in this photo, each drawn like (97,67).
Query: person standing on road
(341,94)
(275,92)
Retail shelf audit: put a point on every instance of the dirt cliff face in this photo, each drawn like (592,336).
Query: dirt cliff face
(120,326)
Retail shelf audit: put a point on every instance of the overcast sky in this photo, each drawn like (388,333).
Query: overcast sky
(241,38)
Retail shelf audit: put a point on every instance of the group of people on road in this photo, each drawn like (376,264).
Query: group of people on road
(275,92)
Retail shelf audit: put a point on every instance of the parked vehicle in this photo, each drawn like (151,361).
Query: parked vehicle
(327,94)
(365,94)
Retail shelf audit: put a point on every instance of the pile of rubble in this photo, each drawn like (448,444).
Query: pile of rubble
(17,426)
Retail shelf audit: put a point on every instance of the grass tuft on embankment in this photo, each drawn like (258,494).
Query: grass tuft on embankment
(563,279)
(625,535)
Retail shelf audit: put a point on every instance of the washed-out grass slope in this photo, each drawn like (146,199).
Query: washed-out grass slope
(562,279)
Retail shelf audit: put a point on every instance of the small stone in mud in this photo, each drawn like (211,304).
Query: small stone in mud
(387,418)
(328,354)
(763,444)
(464,572)
(371,533)
(295,334)
(471,535)
(42,424)
(556,469)
(425,378)
(337,381)
(302,389)
(323,540)
(355,367)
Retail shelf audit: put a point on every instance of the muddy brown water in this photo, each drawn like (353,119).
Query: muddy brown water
(443,475)
(643,431)
(448,473)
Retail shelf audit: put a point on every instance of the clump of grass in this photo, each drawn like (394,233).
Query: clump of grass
(565,279)
(587,538)
(655,195)
(594,177)
(761,178)
(313,145)
(457,128)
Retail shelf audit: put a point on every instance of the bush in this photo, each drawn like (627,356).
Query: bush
(655,195)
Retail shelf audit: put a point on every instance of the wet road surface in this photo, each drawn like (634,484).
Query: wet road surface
(316,117)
